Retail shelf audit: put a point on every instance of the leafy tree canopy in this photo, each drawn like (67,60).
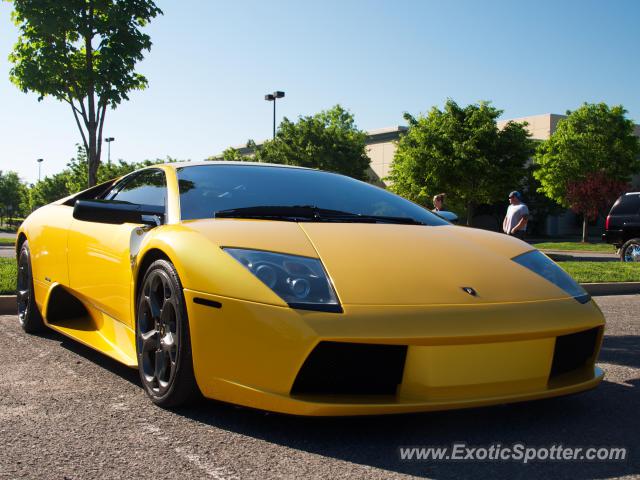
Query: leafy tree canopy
(594,194)
(74,178)
(13,195)
(82,52)
(460,151)
(328,140)
(233,155)
(594,138)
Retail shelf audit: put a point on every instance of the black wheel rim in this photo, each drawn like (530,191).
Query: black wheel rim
(23,294)
(158,332)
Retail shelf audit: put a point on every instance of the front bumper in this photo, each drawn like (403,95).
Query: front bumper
(456,356)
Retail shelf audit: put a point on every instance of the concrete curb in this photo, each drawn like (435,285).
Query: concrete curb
(583,252)
(613,288)
(8,302)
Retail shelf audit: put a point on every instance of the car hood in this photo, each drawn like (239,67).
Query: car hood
(385,264)
(382,264)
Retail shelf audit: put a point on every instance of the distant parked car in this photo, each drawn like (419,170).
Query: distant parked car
(622,227)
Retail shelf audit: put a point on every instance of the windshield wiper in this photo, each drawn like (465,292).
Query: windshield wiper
(309,213)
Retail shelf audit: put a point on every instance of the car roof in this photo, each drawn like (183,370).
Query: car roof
(176,165)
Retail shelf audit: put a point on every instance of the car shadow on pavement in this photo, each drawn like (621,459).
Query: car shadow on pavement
(605,417)
(109,364)
(608,416)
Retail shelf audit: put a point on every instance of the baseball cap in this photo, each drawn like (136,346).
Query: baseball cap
(516,194)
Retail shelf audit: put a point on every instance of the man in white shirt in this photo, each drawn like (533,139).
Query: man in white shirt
(515,223)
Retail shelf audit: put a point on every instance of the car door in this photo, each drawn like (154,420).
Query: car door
(100,253)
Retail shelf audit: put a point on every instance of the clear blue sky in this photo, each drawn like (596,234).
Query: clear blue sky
(213,61)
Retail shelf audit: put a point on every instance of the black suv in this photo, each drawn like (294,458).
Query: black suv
(622,227)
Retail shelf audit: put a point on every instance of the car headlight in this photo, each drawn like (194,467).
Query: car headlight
(302,282)
(539,263)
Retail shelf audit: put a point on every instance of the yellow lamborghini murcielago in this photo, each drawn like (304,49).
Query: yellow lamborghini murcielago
(302,291)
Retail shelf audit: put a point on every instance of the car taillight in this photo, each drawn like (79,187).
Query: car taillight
(606,223)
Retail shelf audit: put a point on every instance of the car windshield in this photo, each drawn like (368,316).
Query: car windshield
(236,191)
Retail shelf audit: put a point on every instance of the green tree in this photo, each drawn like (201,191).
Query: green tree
(540,206)
(233,155)
(595,138)
(328,140)
(83,53)
(460,151)
(73,179)
(12,195)
(75,174)
(48,190)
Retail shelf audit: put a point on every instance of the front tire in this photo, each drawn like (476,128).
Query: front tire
(28,313)
(163,343)
(630,251)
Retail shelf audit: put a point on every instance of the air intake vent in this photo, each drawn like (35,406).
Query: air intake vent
(574,351)
(351,369)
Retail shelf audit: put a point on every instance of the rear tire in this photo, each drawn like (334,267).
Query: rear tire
(163,342)
(28,313)
(630,251)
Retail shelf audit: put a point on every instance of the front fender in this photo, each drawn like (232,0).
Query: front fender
(203,266)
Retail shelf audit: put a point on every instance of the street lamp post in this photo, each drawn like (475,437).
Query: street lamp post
(109,140)
(40,160)
(271,97)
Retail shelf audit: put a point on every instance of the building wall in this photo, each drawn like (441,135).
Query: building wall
(540,126)
(381,155)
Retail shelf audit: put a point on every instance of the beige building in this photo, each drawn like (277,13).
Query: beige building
(540,126)
(381,147)
(381,143)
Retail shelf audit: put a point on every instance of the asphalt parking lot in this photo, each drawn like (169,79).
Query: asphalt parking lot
(67,412)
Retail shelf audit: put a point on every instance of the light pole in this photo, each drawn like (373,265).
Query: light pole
(271,97)
(109,140)
(40,160)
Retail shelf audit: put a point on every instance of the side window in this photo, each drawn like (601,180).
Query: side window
(628,205)
(145,188)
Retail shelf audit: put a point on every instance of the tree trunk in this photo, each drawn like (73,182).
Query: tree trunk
(470,211)
(585,236)
(93,158)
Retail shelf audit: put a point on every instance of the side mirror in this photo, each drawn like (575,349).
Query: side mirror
(117,213)
(448,216)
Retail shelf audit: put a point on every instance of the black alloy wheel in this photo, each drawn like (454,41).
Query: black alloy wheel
(28,313)
(162,338)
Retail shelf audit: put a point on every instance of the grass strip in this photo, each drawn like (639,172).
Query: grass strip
(576,246)
(8,275)
(597,272)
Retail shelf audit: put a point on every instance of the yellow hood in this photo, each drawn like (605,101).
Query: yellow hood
(380,264)
(384,264)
